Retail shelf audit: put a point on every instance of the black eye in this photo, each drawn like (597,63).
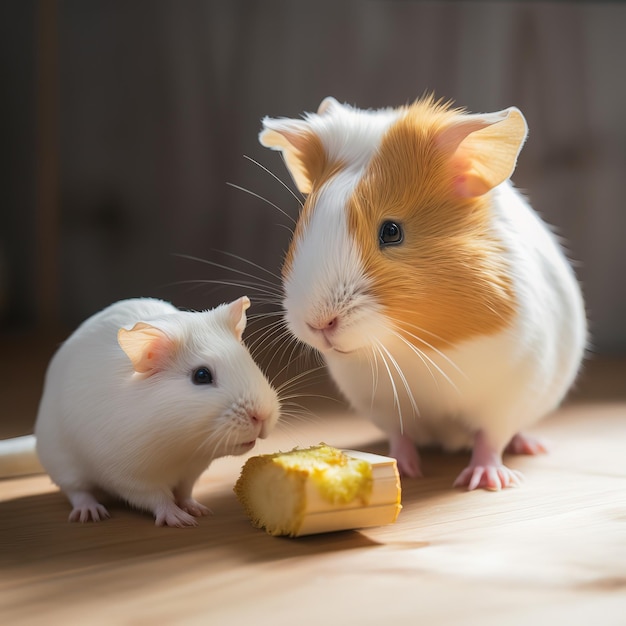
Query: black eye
(390,234)
(202,376)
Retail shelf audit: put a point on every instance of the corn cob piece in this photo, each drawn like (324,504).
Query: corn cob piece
(319,489)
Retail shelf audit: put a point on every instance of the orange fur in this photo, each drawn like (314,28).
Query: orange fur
(450,262)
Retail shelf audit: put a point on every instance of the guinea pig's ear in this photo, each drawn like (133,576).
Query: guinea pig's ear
(145,346)
(237,312)
(301,148)
(483,149)
(328,105)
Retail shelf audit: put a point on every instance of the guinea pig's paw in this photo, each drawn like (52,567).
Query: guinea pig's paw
(491,477)
(86,508)
(171,515)
(193,507)
(526,444)
(402,448)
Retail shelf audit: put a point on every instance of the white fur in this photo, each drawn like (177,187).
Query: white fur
(349,135)
(325,286)
(147,438)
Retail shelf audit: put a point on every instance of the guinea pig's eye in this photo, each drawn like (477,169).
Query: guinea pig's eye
(390,234)
(202,376)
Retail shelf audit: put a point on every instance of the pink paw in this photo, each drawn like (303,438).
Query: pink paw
(94,512)
(86,508)
(403,449)
(171,515)
(491,477)
(193,507)
(526,444)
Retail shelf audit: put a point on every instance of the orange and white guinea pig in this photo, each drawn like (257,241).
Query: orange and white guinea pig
(442,304)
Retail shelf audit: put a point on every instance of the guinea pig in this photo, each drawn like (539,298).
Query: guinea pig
(141,398)
(443,306)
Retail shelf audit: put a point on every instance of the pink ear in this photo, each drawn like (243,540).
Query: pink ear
(293,139)
(483,149)
(237,311)
(147,347)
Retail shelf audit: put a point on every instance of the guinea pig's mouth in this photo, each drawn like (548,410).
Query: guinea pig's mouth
(331,345)
(246,445)
(342,351)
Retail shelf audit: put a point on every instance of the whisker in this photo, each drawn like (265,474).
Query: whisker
(420,329)
(230,283)
(393,386)
(298,378)
(289,230)
(260,315)
(295,417)
(289,400)
(264,322)
(296,350)
(313,375)
(249,262)
(256,195)
(404,380)
(263,340)
(267,337)
(375,378)
(279,333)
(450,362)
(283,183)
(421,356)
(428,361)
(235,270)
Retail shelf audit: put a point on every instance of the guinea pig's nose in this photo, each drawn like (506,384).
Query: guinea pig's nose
(265,421)
(259,417)
(323,325)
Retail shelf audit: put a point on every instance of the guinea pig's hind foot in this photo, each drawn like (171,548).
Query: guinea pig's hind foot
(86,508)
(486,470)
(491,477)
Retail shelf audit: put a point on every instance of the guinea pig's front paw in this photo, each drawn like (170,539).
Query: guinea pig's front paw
(402,448)
(170,514)
(492,477)
(86,508)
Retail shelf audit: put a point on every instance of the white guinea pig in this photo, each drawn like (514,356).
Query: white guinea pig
(141,398)
(442,304)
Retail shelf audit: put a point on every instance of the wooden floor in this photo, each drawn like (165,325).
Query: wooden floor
(550,552)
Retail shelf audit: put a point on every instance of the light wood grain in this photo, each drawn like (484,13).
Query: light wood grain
(550,552)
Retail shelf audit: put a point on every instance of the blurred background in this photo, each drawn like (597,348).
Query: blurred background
(123,124)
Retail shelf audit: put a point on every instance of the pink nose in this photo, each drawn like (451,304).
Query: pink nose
(266,422)
(324,325)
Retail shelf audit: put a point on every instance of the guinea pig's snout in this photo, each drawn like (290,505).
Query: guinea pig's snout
(264,420)
(324,328)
